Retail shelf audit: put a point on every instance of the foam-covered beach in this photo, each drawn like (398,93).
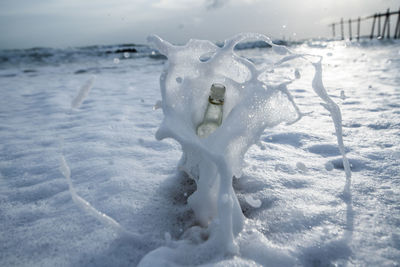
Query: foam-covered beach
(291,189)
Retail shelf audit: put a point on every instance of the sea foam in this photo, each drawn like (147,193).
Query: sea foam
(251,104)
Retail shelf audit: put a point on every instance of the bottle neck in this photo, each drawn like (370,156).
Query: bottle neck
(213,113)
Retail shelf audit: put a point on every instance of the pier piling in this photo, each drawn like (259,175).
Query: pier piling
(397,30)
(385,24)
(373,26)
(341,28)
(381,32)
(350,34)
(379,27)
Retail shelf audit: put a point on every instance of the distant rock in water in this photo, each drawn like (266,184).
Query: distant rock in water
(91,70)
(29,70)
(123,50)
(80,71)
(129,50)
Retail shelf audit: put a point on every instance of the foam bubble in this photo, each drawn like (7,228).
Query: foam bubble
(255,203)
(301,166)
(329,166)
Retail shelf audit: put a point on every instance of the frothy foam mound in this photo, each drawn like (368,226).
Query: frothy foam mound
(251,104)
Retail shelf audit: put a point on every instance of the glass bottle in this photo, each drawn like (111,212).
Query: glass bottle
(213,115)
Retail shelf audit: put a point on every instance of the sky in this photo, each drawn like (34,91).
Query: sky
(65,23)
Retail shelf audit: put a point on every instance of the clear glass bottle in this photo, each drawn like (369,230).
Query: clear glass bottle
(213,115)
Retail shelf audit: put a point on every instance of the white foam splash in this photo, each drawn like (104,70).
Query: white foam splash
(251,105)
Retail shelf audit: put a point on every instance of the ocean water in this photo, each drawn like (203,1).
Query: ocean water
(291,190)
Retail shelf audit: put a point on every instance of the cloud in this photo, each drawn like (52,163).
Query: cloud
(214,4)
(202,4)
(177,4)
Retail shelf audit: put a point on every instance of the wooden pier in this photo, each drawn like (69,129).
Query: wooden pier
(377,31)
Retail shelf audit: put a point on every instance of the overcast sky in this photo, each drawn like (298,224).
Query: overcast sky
(62,23)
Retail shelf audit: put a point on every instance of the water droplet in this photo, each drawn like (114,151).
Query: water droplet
(342,95)
(127,55)
(167,237)
(297,74)
(157,105)
(116,60)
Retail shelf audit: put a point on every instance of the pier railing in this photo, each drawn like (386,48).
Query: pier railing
(378,30)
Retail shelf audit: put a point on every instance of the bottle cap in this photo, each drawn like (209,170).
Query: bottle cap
(217,92)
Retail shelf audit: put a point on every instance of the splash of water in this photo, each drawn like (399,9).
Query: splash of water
(251,105)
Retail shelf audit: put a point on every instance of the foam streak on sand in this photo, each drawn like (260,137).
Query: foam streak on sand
(86,206)
(83,93)
(65,170)
(251,106)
